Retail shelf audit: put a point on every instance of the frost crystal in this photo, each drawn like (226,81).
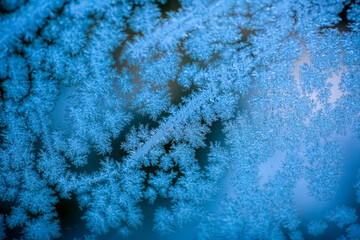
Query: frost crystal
(174,109)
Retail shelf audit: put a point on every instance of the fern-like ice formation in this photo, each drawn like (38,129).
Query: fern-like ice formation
(109,103)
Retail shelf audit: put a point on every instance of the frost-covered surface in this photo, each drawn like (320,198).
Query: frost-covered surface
(110,105)
(316,227)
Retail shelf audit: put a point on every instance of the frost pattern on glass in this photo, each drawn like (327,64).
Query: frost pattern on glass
(111,105)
